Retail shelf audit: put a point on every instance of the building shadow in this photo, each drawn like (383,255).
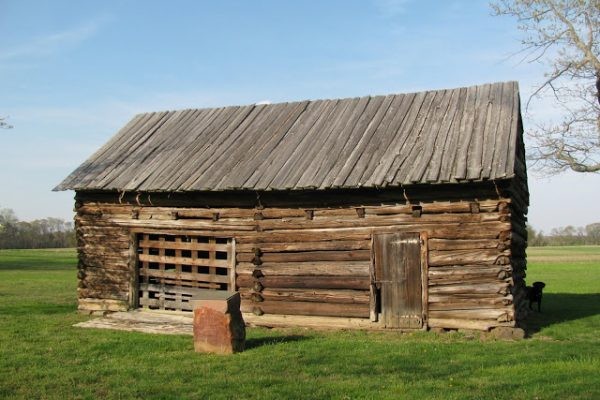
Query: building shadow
(561,307)
(252,343)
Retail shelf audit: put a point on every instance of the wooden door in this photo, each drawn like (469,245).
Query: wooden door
(398,277)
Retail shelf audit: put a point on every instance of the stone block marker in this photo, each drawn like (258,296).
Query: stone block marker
(218,323)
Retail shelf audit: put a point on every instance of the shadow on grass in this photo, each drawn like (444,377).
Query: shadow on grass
(273,340)
(562,307)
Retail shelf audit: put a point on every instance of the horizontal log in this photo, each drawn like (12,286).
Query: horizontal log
(313,322)
(216,226)
(97,237)
(307,308)
(449,323)
(466,270)
(329,268)
(82,225)
(459,257)
(95,282)
(442,298)
(378,221)
(104,253)
(469,304)
(462,244)
(209,213)
(303,281)
(407,209)
(487,288)
(468,280)
(351,255)
(161,230)
(311,295)
(340,245)
(295,236)
(104,291)
(104,262)
(113,275)
(327,213)
(240,213)
(484,230)
(89,304)
(458,275)
(435,207)
(166,213)
(496,314)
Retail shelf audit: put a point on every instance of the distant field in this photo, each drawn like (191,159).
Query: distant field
(43,356)
(555,254)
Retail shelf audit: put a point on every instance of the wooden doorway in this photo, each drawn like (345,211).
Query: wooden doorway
(399,279)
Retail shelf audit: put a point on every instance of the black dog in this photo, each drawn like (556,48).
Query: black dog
(534,294)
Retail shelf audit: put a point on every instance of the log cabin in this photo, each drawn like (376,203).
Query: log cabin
(404,211)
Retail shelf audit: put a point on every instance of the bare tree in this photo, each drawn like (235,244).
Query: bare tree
(4,124)
(565,34)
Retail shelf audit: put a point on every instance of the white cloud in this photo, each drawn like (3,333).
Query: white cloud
(391,8)
(50,44)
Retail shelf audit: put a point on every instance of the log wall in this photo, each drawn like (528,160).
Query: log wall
(315,261)
(519,193)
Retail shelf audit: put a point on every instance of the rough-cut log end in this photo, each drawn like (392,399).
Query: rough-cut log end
(90,305)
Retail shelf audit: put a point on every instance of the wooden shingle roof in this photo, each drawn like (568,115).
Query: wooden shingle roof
(444,136)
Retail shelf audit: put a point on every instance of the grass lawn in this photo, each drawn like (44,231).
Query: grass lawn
(43,356)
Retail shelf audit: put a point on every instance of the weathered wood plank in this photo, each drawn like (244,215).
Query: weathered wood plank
(313,322)
(314,295)
(183,245)
(479,288)
(252,169)
(466,244)
(388,134)
(339,245)
(187,276)
(468,256)
(475,151)
(308,308)
(361,145)
(90,304)
(204,262)
(449,323)
(498,314)
(199,158)
(330,268)
(405,165)
(305,281)
(398,146)
(307,256)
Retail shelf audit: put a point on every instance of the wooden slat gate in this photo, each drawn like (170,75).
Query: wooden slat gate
(174,268)
(398,278)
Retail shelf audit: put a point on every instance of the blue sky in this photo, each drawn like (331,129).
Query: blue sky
(73,72)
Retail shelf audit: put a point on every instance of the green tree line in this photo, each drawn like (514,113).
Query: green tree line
(37,234)
(565,236)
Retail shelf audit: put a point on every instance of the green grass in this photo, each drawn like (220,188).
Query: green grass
(43,356)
